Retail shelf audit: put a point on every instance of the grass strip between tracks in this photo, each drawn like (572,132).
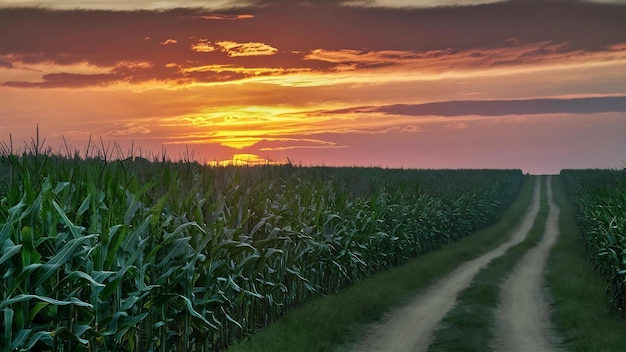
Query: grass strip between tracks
(328,323)
(469,325)
(582,312)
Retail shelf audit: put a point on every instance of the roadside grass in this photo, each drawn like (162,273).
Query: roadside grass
(582,311)
(469,325)
(335,321)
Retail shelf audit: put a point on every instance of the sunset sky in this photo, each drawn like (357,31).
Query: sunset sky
(535,85)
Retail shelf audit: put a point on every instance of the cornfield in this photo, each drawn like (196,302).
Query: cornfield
(128,254)
(599,197)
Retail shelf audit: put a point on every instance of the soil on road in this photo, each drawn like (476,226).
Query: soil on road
(411,327)
(522,319)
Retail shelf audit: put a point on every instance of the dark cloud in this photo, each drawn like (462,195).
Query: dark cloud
(495,107)
(294,29)
(583,25)
(64,80)
(127,75)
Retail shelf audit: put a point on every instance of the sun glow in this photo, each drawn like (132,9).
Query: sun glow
(245,159)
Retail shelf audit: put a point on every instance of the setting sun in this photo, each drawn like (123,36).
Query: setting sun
(244,160)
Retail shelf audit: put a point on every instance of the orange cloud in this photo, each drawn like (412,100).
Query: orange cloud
(286,127)
(234,49)
(203,46)
(216,16)
(168,41)
(509,53)
(247,71)
(134,65)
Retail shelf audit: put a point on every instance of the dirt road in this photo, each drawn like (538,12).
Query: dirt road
(411,327)
(522,319)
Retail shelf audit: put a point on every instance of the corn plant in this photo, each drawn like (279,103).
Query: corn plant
(103,253)
(599,197)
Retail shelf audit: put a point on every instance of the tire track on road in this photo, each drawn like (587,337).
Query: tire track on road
(523,317)
(411,327)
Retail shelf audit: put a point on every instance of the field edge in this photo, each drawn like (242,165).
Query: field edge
(582,312)
(334,322)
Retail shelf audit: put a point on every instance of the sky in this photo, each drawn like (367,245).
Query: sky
(525,84)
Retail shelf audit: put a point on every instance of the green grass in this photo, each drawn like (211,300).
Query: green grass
(583,314)
(333,322)
(469,325)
